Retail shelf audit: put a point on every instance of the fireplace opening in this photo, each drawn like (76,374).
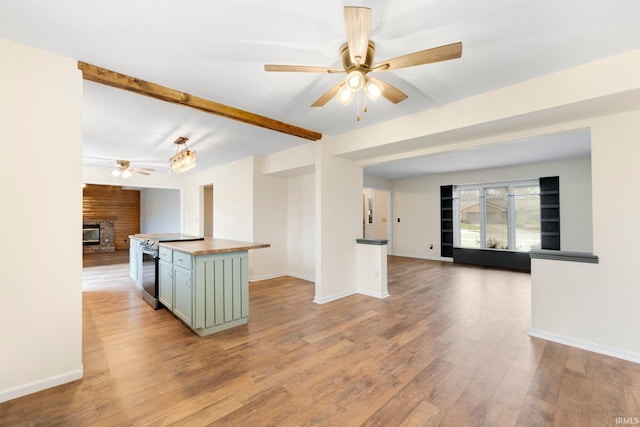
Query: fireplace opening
(91,234)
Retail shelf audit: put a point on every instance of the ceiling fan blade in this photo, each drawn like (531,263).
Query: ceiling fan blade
(436,54)
(301,69)
(327,95)
(392,93)
(146,169)
(357,24)
(141,172)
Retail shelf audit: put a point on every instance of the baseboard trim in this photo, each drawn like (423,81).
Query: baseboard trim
(266,277)
(586,345)
(334,297)
(36,386)
(302,276)
(380,295)
(430,258)
(275,276)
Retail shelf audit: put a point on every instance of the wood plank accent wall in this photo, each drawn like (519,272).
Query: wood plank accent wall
(112,203)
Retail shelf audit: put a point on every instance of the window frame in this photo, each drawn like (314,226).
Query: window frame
(511,210)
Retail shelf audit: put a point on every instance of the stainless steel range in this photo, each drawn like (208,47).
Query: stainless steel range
(149,248)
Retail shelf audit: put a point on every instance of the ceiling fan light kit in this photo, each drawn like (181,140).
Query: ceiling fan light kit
(124,169)
(184,159)
(355,80)
(357,56)
(345,95)
(373,88)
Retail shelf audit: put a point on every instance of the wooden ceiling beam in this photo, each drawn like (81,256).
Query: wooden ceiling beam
(121,81)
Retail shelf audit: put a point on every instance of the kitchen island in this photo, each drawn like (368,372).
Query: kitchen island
(205,283)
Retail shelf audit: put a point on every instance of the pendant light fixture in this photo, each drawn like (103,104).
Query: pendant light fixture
(184,159)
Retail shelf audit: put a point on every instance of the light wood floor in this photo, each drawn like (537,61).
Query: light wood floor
(449,347)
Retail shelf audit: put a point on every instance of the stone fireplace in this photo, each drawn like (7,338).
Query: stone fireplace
(98,236)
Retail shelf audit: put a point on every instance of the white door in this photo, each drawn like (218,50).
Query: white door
(369,214)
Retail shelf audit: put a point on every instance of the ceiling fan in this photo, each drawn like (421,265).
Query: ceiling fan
(123,168)
(357,56)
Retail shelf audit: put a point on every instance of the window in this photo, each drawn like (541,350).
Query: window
(469,218)
(526,201)
(498,216)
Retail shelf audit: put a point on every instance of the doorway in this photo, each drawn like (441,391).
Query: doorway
(206,197)
(376,214)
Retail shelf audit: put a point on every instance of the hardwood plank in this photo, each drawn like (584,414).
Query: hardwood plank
(549,375)
(408,400)
(448,347)
(122,81)
(536,412)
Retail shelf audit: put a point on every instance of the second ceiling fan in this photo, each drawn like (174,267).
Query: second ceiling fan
(123,168)
(357,56)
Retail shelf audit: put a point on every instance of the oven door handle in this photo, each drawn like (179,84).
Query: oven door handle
(150,252)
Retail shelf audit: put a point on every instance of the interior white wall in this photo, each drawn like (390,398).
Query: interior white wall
(301,226)
(233,207)
(41,315)
(377,182)
(269,224)
(416,202)
(595,306)
(297,160)
(338,191)
(160,211)
(249,206)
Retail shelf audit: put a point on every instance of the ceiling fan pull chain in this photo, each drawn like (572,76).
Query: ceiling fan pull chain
(358,106)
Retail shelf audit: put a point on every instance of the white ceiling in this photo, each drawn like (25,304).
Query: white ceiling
(217,50)
(544,148)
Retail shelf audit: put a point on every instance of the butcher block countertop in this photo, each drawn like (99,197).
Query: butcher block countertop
(213,245)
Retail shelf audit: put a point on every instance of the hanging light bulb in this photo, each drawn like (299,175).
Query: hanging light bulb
(373,88)
(355,80)
(345,95)
(126,174)
(116,172)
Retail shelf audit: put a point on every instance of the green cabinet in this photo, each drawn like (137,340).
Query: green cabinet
(209,293)
(165,283)
(182,294)
(221,291)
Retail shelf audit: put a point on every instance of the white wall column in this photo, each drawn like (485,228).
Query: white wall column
(41,285)
(372,267)
(595,306)
(338,222)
